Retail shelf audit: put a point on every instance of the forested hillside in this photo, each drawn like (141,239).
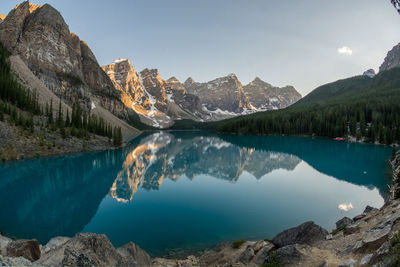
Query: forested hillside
(19,107)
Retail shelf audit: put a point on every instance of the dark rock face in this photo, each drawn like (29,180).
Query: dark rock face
(29,249)
(306,233)
(369,209)
(287,256)
(392,59)
(343,221)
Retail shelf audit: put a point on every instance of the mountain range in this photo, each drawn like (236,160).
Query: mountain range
(66,65)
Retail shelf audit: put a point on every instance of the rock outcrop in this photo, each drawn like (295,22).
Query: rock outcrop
(308,233)
(369,73)
(392,59)
(264,96)
(94,250)
(28,249)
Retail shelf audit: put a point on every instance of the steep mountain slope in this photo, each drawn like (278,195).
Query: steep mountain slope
(63,62)
(264,96)
(392,59)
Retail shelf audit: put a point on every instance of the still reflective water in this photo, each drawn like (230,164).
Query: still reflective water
(185,191)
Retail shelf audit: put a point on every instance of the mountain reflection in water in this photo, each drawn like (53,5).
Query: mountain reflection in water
(163,156)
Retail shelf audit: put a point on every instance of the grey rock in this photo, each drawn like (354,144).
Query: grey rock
(12,262)
(247,255)
(262,254)
(86,250)
(343,221)
(373,240)
(133,253)
(4,241)
(348,263)
(29,249)
(366,259)
(369,73)
(288,255)
(259,245)
(306,233)
(329,237)
(55,243)
(369,209)
(392,59)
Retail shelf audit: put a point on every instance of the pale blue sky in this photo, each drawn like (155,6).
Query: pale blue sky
(282,42)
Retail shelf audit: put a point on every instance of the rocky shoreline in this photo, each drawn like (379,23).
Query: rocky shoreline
(369,239)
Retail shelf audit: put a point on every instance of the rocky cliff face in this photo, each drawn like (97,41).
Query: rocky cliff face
(392,59)
(264,96)
(63,62)
(225,95)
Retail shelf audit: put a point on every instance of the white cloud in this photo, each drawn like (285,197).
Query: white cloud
(345,206)
(345,51)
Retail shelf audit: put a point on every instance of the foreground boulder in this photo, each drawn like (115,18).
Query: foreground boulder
(10,261)
(4,241)
(29,249)
(133,252)
(94,250)
(306,233)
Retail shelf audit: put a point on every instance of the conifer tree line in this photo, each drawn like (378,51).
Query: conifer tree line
(364,108)
(372,123)
(21,105)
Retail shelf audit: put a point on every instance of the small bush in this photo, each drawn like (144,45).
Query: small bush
(394,253)
(238,243)
(273,262)
(337,230)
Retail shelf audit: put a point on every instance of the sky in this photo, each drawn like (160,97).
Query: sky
(303,43)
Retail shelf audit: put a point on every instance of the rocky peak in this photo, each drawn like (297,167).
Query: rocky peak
(264,96)
(174,86)
(189,81)
(124,75)
(258,82)
(126,79)
(392,59)
(369,73)
(224,95)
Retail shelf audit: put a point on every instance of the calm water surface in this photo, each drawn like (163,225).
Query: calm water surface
(185,191)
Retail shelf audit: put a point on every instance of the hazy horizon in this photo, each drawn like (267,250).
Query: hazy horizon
(300,44)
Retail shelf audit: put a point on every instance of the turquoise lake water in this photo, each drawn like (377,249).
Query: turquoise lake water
(174,192)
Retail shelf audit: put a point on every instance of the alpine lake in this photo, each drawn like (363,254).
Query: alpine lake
(177,193)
